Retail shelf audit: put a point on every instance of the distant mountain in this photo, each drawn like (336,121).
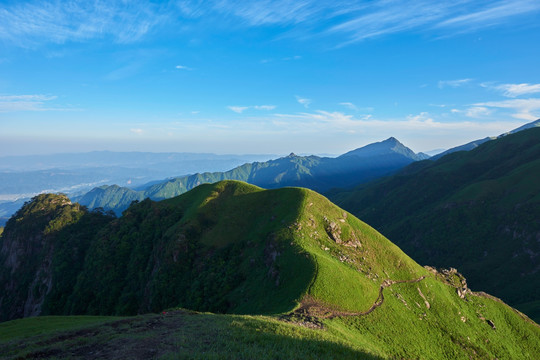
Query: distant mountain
(530,125)
(313,172)
(329,284)
(388,147)
(104,196)
(474,144)
(22,177)
(465,147)
(477,210)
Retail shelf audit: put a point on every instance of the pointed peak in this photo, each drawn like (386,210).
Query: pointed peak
(292,155)
(388,146)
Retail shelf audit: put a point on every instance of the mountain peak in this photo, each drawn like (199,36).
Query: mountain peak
(391,139)
(387,147)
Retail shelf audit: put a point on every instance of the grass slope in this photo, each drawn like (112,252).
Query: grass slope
(301,270)
(476,210)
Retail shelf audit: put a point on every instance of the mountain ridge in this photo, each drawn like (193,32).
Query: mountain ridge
(316,173)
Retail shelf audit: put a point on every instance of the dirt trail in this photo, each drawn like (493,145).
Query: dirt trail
(312,308)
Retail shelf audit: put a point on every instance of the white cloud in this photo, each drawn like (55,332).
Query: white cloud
(241,109)
(525,109)
(265,12)
(238,109)
(264,107)
(137,131)
(9,103)
(453,83)
(349,105)
(477,111)
(422,123)
(303,101)
(490,15)
(50,21)
(383,17)
(182,67)
(514,90)
(30,23)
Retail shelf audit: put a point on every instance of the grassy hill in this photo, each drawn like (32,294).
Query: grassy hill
(306,279)
(478,211)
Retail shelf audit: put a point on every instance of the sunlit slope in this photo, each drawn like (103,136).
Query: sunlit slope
(478,211)
(233,247)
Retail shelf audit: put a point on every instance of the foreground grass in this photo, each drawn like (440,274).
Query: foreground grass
(173,335)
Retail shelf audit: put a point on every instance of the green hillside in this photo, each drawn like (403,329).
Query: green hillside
(310,279)
(478,211)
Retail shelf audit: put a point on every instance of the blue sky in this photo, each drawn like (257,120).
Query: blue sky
(264,76)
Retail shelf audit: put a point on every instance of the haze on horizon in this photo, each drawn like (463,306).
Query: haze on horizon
(263,76)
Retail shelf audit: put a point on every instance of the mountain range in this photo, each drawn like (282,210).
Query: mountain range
(313,172)
(23,177)
(306,278)
(477,210)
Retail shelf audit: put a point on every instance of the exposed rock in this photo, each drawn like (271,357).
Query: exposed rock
(452,277)
(333,230)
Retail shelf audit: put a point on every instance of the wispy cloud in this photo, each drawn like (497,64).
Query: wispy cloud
(525,109)
(325,121)
(303,101)
(183,67)
(50,21)
(10,103)
(448,17)
(265,12)
(264,107)
(238,109)
(490,14)
(477,111)
(515,90)
(241,109)
(453,83)
(137,131)
(349,105)
(30,23)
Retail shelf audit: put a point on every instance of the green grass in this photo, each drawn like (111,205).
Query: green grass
(234,248)
(175,335)
(475,210)
(18,330)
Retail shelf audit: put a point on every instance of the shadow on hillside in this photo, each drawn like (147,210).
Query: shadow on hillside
(182,335)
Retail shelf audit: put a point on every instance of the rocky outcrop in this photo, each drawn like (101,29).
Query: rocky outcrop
(452,277)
